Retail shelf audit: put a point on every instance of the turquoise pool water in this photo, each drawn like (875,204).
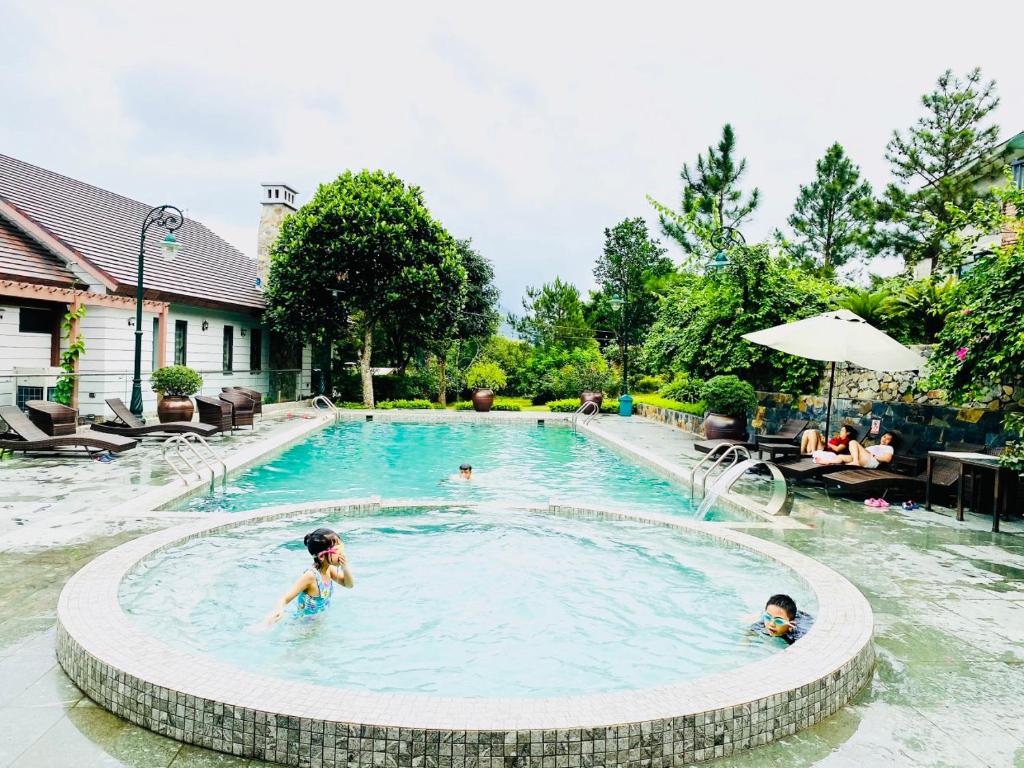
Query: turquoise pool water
(521,463)
(460,602)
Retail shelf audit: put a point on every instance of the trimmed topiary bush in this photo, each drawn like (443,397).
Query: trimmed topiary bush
(175,381)
(729,396)
(467,405)
(570,404)
(386,405)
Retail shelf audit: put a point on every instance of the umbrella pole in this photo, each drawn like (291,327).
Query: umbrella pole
(828,411)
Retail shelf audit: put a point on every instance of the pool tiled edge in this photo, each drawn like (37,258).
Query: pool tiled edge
(190,698)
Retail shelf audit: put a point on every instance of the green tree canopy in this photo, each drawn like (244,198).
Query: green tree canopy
(364,248)
(712,191)
(930,162)
(982,341)
(553,317)
(831,217)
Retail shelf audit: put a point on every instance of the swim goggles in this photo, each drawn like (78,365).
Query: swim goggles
(327,553)
(778,621)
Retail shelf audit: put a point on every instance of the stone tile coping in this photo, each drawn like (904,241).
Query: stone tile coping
(118,665)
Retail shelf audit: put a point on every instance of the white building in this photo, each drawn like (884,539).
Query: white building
(64,243)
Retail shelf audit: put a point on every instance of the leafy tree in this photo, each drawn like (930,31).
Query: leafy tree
(711,191)
(924,304)
(982,341)
(364,248)
(831,217)
(631,260)
(874,306)
(702,319)
(553,317)
(513,356)
(929,161)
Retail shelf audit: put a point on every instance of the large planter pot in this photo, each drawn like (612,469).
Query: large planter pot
(592,397)
(483,399)
(174,408)
(718,426)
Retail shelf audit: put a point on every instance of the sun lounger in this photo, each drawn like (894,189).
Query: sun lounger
(252,394)
(214,411)
(945,474)
(129,424)
(241,408)
(26,437)
(706,446)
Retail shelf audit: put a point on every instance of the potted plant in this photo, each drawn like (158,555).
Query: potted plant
(484,378)
(175,384)
(727,399)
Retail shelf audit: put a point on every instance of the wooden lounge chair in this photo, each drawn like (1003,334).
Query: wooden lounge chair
(784,442)
(241,408)
(252,394)
(129,424)
(945,475)
(53,418)
(214,411)
(706,446)
(26,437)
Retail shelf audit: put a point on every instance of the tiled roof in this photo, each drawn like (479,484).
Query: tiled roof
(104,229)
(21,258)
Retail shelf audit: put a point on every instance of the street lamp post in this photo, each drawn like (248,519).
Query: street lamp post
(722,239)
(620,302)
(170,218)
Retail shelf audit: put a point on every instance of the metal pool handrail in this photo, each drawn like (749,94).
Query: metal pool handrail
(323,402)
(583,411)
(182,442)
(721,451)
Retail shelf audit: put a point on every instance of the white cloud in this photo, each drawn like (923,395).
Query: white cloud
(530,127)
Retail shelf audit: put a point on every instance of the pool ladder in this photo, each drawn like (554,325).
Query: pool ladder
(733,451)
(323,403)
(588,411)
(184,446)
(779,503)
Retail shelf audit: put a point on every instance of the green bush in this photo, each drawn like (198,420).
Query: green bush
(561,374)
(512,357)
(176,381)
(729,396)
(683,387)
(387,405)
(569,405)
(485,374)
(648,384)
(697,409)
(467,405)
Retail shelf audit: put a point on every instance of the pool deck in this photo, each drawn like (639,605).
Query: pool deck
(948,600)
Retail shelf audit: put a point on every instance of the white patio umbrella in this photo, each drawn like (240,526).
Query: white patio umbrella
(836,337)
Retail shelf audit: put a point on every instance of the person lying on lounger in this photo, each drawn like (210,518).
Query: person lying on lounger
(869,458)
(812,440)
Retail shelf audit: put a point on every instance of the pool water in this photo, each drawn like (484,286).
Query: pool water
(394,460)
(466,602)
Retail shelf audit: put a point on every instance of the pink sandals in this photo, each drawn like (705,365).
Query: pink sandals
(880,503)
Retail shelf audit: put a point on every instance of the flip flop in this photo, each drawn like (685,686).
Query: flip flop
(881,503)
(871,502)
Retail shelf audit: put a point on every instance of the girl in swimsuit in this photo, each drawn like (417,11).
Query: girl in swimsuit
(315,588)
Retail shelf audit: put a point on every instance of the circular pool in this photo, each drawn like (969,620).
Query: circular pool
(474,633)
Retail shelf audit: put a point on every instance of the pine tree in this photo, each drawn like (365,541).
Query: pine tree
(930,162)
(711,191)
(831,216)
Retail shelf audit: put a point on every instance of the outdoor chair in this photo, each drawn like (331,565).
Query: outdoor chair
(706,446)
(53,418)
(945,474)
(215,412)
(26,437)
(784,441)
(254,395)
(241,408)
(129,424)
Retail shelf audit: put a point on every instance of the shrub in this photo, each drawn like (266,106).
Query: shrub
(683,387)
(648,384)
(569,405)
(175,381)
(467,405)
(697,409)
(728,395)
(387,405)
(512,357)
(485,374)
(564,374)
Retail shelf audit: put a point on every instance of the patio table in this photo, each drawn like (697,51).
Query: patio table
(975,462)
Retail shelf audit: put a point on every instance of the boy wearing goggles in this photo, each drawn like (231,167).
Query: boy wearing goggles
(782,619)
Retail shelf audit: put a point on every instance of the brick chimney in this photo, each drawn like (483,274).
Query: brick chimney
(276,201)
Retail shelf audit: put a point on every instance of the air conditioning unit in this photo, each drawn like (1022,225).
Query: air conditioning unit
(35,383)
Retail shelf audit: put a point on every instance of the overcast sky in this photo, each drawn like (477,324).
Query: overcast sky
(530,127)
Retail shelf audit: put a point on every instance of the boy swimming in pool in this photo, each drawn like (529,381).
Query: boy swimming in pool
(782,619)
(315,587)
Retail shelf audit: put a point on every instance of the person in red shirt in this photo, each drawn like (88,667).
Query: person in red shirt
(812,440)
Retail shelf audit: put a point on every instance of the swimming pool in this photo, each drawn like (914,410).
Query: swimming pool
(527,464)
(470,602)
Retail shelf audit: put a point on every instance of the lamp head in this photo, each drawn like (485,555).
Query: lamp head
(169,247)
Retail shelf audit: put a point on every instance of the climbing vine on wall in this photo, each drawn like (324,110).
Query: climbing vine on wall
(76,346)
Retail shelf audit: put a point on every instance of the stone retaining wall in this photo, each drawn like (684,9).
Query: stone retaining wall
(686,421)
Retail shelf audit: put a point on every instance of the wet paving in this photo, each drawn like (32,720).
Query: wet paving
(948,598)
